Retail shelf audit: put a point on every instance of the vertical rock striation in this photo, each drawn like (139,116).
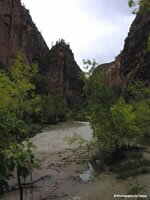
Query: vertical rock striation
(19,33)
(135,57)
(134,61)
(112,72)
(63,74)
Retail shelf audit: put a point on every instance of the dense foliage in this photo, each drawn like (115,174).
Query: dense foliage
(139,93)
(116,122)
(54,108)
(20,108)
(139,5)
(18,103)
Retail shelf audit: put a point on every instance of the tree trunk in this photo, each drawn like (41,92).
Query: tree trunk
(19,183)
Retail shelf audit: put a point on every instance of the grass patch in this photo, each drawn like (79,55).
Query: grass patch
(135,189)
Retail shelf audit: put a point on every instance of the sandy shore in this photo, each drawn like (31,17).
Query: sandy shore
(61,166)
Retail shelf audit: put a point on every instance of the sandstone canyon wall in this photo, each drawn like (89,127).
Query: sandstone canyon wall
(134,61)
(113,74)
(19,33)
(135,57)
(63,74)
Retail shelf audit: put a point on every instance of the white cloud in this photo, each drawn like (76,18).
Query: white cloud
(93,32)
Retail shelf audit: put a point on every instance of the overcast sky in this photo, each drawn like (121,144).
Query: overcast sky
(94,28)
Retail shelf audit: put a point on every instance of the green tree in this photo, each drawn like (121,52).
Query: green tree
(139,94)
(113,120)
(49,109)
(21,157)
(18,102)
(55,108)
(139,5)
(25,101)
(18,97)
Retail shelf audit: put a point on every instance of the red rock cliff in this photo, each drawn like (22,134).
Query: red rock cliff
(63,74)
(135,57)
(113,74)
(134,61)
(19,33)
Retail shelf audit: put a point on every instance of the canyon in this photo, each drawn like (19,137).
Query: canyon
(19,33)
(60,164)
(133,62)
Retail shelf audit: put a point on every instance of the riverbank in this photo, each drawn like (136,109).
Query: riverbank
(61,167)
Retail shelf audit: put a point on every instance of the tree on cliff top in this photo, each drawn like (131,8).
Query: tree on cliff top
(139,5)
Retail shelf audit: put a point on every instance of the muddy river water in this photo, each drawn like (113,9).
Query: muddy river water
(63,172)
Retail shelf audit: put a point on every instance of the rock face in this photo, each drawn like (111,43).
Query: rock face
(134,61)
(63,74)
(113,75)
(135,57)
(19,33)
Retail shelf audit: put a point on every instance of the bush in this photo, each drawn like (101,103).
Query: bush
(113,120)
(54,109)
(132,164)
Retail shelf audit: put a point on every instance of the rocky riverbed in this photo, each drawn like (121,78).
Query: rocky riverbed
(64,172)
